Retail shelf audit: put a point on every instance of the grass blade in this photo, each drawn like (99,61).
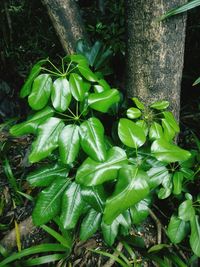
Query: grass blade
(44,259)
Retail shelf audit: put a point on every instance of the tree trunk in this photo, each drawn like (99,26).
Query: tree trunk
(67,22)
(155,51)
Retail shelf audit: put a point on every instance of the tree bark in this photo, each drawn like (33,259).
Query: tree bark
(155,51)
(67,22)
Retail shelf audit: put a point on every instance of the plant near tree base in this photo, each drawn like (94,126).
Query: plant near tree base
(94,182)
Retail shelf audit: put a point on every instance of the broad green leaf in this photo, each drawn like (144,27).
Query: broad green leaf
(41,91)
(166,152)
(186,211)
(90,224)
(104,100)
(26,89)
(171,120)
(177,182)
(187,173)
(31,125)
(92,139)
(168,130)
(46,175)
(95,196)
(87,73)
(131,187)
(110,231)
(133,113)
(195,235)
(124,220)
(157,175)
(139,211)
(177,230)
(138,103)
(143,125)
(69,143)
(92,173)
(47,139)
(131,134)
(72,206)
(60,94)
(104,85)
(155,131)
(77,86)
(159,105)
(48,202)
(165,192)
(77,58)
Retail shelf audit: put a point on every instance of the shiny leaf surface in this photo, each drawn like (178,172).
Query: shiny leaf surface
(47,139)
(87,73)
(139,211)
(69,143)
(155,131)
(131,134)
(90,224)
(92,139)
(46,175)
(159,105)
(72,206)
(167,152)
(104,100)
(131,187)
(41,91)
(177,182)
(186,211)
(177,230)
(77,86)
(92,173)
(133,113)
(195,235)
(48,202)
(60,94)
(31,125)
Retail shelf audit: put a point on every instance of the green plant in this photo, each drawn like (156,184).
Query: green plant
(93,181)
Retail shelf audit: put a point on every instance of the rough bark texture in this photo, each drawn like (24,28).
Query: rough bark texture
(155,51)
(67,22)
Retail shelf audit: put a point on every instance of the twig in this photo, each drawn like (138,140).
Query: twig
(158,225)
(110,262)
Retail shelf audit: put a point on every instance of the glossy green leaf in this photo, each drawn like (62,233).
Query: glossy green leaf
(131,134)
(26,89)
(72,206)
(87,73)
(92,173)
(131,187)
(143,125)
(166,152)
(195,235)
(165,192)
(159,105)
(125,222)
(77,58)
(95,196)
(60,94)
(177,182)
(110,231)
(168,130)
(187,173)
(92,139)
(186,211)
(104,100)
(105,86)
(171,120)
(139,211)
(50,258)
(47,139)
(48,202)
(133,113)
(77,86)
(90,224)
(69,143)
(157,175)
(155,131)
(41,91)
(31,125)
(177,230)
(46,175)
(138,103)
